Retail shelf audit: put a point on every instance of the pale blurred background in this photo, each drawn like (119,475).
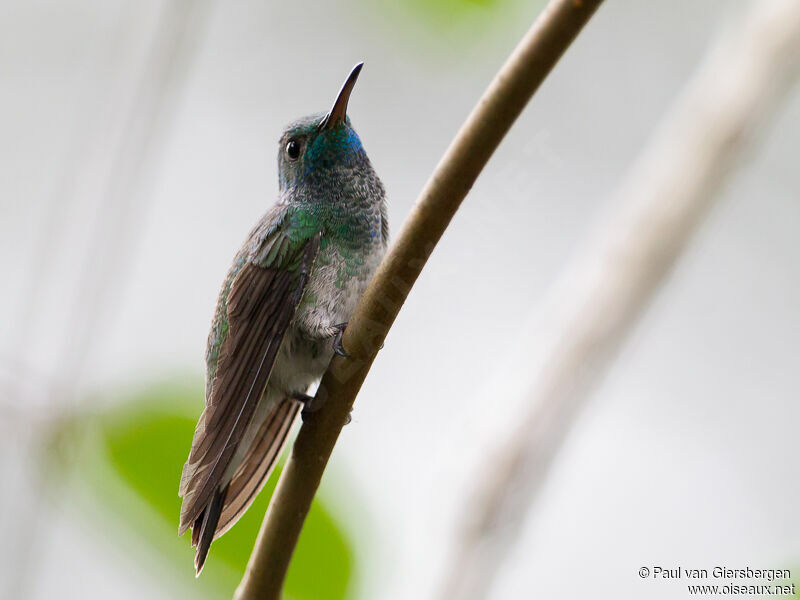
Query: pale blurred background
(138,144)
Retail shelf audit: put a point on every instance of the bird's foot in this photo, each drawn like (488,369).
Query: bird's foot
(311,404)
(337,340)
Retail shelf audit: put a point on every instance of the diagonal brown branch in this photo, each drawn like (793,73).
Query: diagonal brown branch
(503,101)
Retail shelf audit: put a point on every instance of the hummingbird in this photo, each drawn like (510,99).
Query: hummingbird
(280,315)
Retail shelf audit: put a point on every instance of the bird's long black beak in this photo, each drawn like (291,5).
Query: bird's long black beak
(338,111)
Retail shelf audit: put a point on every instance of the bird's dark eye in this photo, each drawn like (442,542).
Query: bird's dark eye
(293,149)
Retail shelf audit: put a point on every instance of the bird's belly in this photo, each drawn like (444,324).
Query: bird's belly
(300,363)
(330,297)
(334,288)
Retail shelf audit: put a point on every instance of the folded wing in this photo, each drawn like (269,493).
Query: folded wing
(259,307)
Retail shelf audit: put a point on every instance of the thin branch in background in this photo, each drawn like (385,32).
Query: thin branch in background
(501,104)
(593,307)
(113,243)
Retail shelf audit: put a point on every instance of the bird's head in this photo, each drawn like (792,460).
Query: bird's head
(322,149)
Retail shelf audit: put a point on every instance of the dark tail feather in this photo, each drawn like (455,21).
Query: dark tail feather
(210,518)
(227,504)
(258,463)
(198,524)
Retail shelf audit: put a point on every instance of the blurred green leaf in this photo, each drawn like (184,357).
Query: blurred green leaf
(455,35)
(452,21)
(132,463)
(450,10)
